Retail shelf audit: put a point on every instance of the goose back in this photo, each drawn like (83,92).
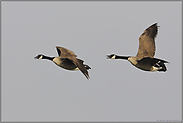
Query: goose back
(63,52)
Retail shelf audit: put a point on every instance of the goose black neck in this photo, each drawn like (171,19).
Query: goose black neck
(49,58)
(122,57)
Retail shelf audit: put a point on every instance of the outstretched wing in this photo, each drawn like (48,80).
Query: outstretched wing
(147,42)
(63,52)
(79,64)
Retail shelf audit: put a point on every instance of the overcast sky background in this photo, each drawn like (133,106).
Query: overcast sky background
(38,90)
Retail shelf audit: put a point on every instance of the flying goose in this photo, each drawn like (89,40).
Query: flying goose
(67,60)
(144,59)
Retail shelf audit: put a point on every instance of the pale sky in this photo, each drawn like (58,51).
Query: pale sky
(38,90)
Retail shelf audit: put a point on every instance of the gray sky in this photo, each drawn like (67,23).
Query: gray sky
(38,90)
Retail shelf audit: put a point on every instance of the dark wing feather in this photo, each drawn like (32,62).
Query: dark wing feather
(63,52)
(79,64)
(147,42)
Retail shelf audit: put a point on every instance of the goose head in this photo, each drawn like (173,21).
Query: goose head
(40,56)
(112,56)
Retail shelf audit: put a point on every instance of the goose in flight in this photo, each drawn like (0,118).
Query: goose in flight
(144,59)
(67,60)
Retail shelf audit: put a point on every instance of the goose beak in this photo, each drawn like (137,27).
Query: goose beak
(108,56)
(36,57)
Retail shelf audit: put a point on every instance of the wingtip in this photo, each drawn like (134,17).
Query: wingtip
(155,23)
(87,77)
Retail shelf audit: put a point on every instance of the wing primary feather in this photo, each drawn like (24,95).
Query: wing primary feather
(79,64)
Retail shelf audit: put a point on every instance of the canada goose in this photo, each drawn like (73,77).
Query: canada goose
(67,60)
(144,59)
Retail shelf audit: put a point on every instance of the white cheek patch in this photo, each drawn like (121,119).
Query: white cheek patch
(113,57)
(40,57)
